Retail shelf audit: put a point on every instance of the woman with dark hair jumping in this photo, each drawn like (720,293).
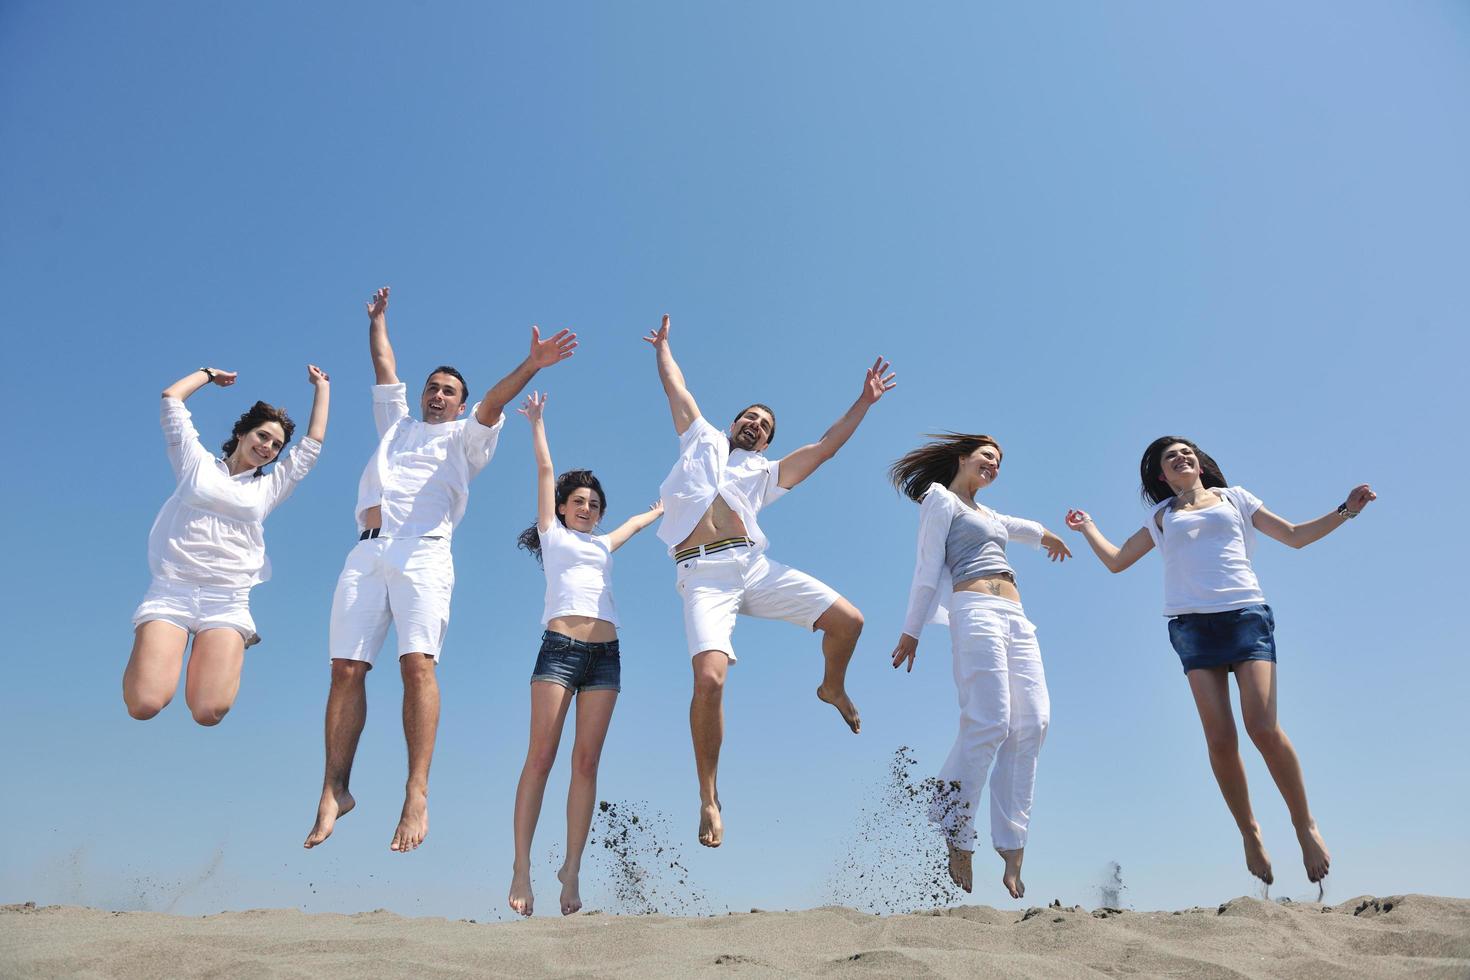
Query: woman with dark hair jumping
(962,577)
(1219,622)
(207,549)
(579,654)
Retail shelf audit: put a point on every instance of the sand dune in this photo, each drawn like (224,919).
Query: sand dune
(1400,936)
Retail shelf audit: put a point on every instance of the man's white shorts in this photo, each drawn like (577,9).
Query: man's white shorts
(403,581)
(197,608)
(716,588)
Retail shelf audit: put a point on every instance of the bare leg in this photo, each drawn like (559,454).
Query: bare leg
(346,714)
(152,675)
(594,713)
(420,725)
(549,703)
(214,674)
(1211,689)
(1011,878)
(1257,680)
(707,728)
(841,625)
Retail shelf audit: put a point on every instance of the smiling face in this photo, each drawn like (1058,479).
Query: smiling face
(1180,466)
(257,447)
(443,398)
(582,511)
(752,429)
(980,468)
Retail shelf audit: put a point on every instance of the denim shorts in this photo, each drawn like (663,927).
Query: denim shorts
(578,665)
(1220,639)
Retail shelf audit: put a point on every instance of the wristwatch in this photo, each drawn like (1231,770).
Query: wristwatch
(1344,513)
(209,373)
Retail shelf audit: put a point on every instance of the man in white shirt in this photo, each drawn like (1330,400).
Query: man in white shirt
(412,495)
(711,498)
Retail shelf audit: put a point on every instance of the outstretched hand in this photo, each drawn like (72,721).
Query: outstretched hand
(658,506)
(556,348)
(378,305)
(533,406)
(223,378)
(907,649)
(878,382)
(1056,548)
(316,376)
(1078,519)
(1360,496)
(659,337)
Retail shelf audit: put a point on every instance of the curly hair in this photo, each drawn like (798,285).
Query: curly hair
(259,414)
(935,462)
(566,484)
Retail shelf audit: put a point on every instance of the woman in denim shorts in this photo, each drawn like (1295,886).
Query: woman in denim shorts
(578,657)
(1219,622)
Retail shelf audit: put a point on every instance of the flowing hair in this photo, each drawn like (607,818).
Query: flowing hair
(1151,469)
(259,414)
(935,462)
(566,484)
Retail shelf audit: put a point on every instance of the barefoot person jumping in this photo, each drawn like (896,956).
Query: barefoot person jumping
(710,498)
(1219,622)
(207,548)
(411,497)
(962,577)
(579,654)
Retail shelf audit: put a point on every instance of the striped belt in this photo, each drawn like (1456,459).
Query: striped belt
(714,547)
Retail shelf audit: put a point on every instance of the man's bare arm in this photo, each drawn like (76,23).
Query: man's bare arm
(385,365)
(544,353)
(803,462)
(681,403)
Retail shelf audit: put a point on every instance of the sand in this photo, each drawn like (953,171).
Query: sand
(1398,936)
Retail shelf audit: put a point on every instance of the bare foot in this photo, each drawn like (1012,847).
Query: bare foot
(960,871)
(1012,876)
(334,804)
(571,895)
(521,900)
(1314,852)
(413,824)
(711,826)
(1257,861)
(839,700)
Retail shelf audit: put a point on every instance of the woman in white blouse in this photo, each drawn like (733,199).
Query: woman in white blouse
(1219,622)
(579,655)
(207,549)
(962,577)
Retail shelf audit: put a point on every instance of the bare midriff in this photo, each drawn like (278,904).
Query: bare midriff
(372,517)
(588,629)
(1001,584)
(718,524)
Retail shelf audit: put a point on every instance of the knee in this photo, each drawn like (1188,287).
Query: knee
(1265,737)
(708,686)
(1032,727)
(142,708)
(988,731)
(417,669)
(843,620)
(539,762)
(209,714)
(1222,741)
(584,763)
(349,673)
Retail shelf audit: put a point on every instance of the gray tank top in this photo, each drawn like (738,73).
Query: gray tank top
(976,546)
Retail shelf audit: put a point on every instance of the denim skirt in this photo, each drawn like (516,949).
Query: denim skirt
(1205,640)
(577,664)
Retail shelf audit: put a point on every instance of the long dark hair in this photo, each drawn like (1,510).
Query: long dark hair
(260,413)
(1151,469)
(935,462)
(566,484)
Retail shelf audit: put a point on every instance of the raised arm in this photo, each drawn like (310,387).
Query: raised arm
(1301,535)
(544,353)
(193,381)
(802,463)
(316,426)
(533,409)
(1115,559)
(633,525)
(681,403)
(385,365)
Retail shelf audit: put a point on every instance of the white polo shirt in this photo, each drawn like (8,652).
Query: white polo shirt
(212,530)
(707,466)
(420,473)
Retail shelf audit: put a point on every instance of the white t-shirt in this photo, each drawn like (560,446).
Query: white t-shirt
(578,574)
(1207,554)
(707,466)
(212,530)
(420,473)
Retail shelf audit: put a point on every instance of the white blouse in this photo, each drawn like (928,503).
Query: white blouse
(420,473)
(578,574)
(1207,554)
(211,531)
(708,466)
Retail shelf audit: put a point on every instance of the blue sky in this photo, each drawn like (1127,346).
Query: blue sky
(1075,227)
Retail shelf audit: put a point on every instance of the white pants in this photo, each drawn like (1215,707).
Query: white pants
(716,588)
(1004,713)
(405,582)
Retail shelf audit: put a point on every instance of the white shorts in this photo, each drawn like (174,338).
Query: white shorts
(716,588)
(405,582)
(197,608)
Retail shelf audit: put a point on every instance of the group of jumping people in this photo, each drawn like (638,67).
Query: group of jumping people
(206,551)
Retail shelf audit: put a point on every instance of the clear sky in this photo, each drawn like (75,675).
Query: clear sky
(1073,226)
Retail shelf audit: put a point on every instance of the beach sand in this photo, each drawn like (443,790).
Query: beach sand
(1398,936)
